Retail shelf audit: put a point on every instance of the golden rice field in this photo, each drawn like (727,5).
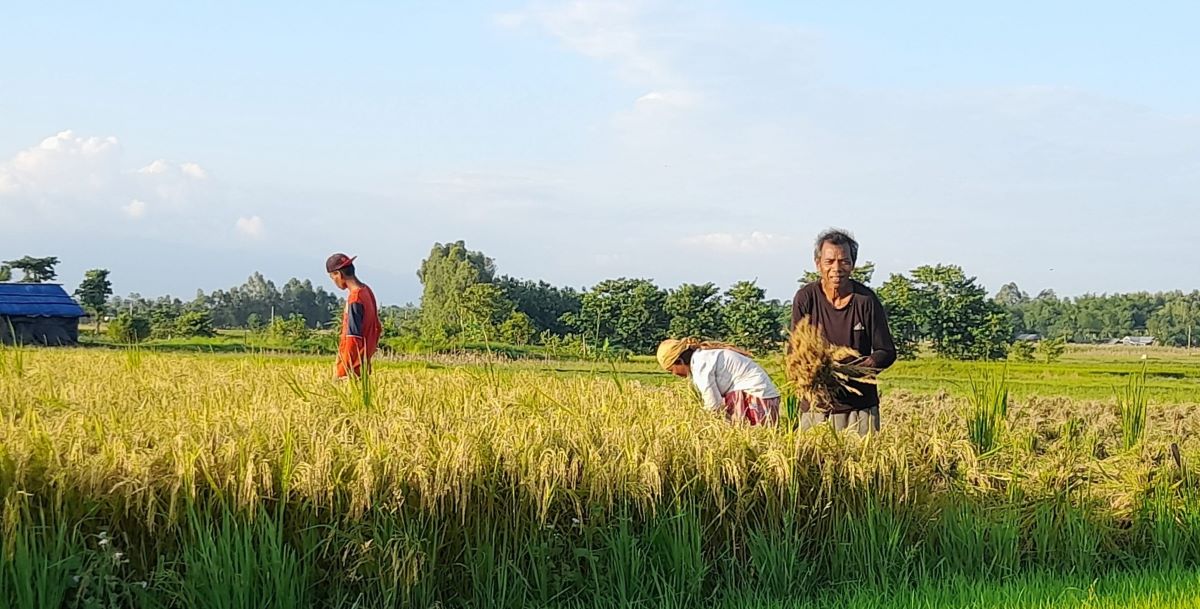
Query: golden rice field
(137,479)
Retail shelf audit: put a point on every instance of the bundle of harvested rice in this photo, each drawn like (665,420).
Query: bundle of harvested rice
(816,369)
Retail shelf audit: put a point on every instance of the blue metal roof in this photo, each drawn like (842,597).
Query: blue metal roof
(37,300)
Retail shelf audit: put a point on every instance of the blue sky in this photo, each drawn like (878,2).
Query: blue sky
(186,146)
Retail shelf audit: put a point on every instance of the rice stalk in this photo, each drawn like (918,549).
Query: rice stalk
(988,400)
(819,372)
(1131,403)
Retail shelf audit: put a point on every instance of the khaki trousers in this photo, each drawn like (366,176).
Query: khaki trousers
(863,421)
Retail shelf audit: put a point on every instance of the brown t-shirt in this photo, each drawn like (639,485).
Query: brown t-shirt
(861,325)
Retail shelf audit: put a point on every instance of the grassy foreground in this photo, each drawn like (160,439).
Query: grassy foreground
(1164,590)
(133,479)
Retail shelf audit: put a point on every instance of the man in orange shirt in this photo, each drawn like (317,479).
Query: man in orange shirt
(360,321)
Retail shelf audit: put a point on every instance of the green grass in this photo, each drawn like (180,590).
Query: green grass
(1131,402)
(1153,590)
(1172,376)
(988,416)
(223,342)
(1085,373)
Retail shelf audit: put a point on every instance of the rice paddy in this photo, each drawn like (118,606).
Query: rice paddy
(134,479)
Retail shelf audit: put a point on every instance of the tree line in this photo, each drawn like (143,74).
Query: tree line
(256,305)
(1172,318)
(465,300)
(938,306)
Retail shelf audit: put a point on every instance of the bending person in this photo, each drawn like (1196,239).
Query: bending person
(729,381)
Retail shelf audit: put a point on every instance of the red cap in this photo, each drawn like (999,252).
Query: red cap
(338,262)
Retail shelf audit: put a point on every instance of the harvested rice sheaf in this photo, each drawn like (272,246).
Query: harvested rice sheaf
(818,370)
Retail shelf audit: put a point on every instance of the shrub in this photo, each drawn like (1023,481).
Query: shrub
(1050,350)
(127,328)
(1021,351)
(517,329)
(194,323)
(292,328)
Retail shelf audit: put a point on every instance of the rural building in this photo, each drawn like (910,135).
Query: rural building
(38,313)
(1138,341)
(1029,338)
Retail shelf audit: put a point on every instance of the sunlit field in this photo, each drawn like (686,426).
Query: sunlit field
(132,478)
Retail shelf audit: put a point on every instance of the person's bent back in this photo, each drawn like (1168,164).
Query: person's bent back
(729,381)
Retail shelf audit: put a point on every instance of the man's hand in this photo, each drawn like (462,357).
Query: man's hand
(864,361)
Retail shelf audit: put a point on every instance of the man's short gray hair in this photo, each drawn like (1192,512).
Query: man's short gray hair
(840,238)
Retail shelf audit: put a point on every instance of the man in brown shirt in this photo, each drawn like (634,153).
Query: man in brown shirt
(851,315)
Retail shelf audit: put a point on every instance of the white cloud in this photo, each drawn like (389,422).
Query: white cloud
(738,243)
(61,165)
(80,181)
(193,170)
(251,227)
(136,209)
(157,167)
(162,167)
(603,30)
(677,99)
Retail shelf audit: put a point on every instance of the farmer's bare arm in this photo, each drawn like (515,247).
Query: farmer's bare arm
(883,347)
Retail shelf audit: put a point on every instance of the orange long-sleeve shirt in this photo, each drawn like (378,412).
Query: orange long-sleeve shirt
(360,331)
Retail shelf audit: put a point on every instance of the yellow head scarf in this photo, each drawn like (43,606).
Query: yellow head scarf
(671,349)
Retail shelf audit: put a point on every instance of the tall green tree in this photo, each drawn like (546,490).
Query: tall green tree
(299,297)
(957,317)
(1013,300)
(483,308)
(93,293)
(194,323)
(518,329)
(993,337)
(445,277)
(1047,315)
(1010,295)
(1177,322)
(695,310)
(5,273)
(258,295)
(163,315)
(35,270)
(627,313)
(543,303)
(1100,318)
(907,307)
(751,322)
(400,321)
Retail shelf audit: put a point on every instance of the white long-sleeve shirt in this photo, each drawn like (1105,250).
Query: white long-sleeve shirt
(717,372)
